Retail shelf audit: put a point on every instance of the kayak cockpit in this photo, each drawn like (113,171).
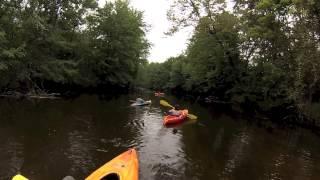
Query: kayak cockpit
(111,176)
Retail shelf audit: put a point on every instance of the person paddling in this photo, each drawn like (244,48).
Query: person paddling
(175,111)
(140,101)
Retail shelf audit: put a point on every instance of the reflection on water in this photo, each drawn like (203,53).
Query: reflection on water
(237,152)
(50,139)
(11,155)
(160,149)
(79,152)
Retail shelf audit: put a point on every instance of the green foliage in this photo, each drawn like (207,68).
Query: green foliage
(118,45)
(264,54)
(69,42)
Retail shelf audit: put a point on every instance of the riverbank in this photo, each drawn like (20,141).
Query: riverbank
(18,95)
(287,115)
(54,90)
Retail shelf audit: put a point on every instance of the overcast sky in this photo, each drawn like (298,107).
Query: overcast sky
(155,15)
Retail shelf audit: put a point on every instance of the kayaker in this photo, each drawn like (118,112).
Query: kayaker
(68,178)
(175,111)
(140,101)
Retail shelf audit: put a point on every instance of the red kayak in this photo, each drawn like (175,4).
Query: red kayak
(170,119)
(159,94)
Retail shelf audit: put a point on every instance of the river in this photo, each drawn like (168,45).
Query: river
(50,139)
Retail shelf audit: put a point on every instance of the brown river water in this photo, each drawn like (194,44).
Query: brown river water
(50,139)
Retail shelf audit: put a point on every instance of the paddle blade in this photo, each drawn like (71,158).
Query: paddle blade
(19,177)
(165,103)
(192,117)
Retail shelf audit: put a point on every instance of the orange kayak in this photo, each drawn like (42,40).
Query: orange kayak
(123,167)
(170,119)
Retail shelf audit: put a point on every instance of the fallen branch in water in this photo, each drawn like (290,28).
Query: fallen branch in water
(101,150)
(42,97)
(31,95)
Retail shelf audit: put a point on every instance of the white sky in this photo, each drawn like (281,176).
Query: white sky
(155,15)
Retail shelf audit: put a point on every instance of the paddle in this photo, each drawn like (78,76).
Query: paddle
(165,103)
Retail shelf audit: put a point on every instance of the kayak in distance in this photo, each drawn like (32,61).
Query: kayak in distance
(170,119)
(123,167)
(141,103)
(159,94)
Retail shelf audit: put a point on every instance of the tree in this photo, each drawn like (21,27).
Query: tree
(46,44)
(118,43)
